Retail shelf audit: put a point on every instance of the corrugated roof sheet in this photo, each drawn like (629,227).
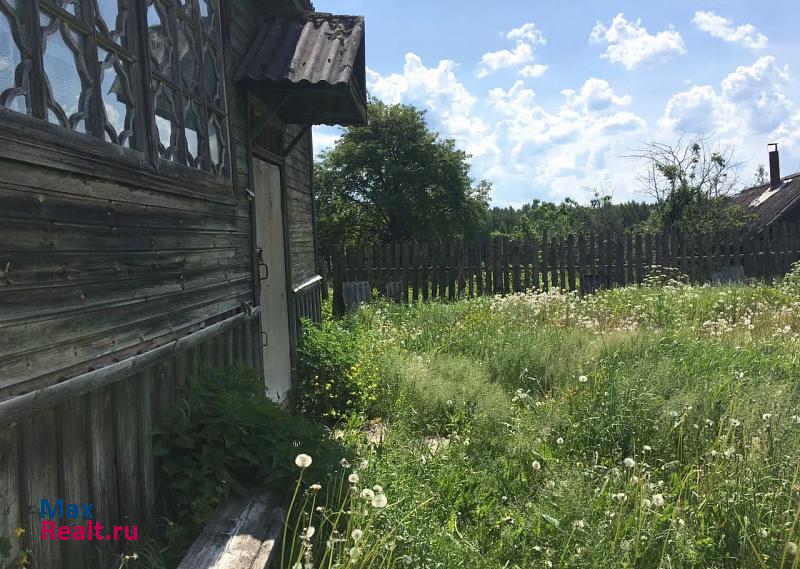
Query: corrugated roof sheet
(317,48)
(768,206)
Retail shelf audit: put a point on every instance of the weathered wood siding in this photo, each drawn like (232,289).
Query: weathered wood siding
(97,449)
(101,259)
(300,208)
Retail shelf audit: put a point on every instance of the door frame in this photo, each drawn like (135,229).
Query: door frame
(280,163)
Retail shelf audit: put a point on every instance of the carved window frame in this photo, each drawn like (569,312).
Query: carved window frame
(125,53)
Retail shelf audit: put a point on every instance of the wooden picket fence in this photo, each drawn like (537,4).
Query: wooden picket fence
(412,272)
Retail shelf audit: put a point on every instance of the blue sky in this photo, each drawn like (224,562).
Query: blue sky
(550,97)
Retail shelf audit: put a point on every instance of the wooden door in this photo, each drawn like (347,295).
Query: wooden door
(272,269)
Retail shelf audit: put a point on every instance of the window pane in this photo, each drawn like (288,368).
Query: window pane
(71,6)
(187,57)
(14,78)
(166,120)
(191,128)
(67,77)
(210,75)
(216,143)
(118,99)
(160,38)
(112,18)
(208,16)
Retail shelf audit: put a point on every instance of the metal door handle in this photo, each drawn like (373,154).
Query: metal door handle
(263,269)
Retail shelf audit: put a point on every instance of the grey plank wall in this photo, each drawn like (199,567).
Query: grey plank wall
(299,208)
(97,449)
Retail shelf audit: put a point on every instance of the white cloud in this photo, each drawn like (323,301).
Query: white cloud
(749,109)
(495,60)
(699,110)
(721,28)
(629,43)
(533,71)
(595,95)
(759,91)
(438,90)
(527,37)
(576,146)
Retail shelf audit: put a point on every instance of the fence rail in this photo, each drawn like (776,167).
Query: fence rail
(412,272)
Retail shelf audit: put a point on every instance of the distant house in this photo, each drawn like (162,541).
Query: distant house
(776,201)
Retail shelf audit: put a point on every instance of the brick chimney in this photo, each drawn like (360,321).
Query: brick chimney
(774,166)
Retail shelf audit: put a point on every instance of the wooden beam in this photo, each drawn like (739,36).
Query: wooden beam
(16,408)
(242,535)
(296,139)
(272,112)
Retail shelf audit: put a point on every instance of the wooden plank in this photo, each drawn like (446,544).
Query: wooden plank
(535,265)
(102,471)
(555,263)
(545,263)
(630,276)
(244,534)
(619,259)
(516,266)
(426,275)
(470,268)
(582,264)
(39,453)
(452,269)
(415,271)
(147,401)
(461,270)
(11,491)
(407,274)
(571,262)
(127,428)
(75,460)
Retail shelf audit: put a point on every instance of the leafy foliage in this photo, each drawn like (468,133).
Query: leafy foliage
(336,378)
(224,437)
(569,217)
(393,180)
(690,182)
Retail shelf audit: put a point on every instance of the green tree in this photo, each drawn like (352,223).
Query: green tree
(690,182)
(395,179)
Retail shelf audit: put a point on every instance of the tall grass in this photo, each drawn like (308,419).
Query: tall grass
(645,427)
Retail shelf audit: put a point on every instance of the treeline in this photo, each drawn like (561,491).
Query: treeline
(569,217)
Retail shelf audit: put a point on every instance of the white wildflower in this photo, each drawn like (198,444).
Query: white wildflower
(367,494)
(379,501)
(353,478)
(357,534)
(583,379)
(303,460)
(658,500)
(536,465)
(559,441)
(629,462)
(344,463)
(315,487)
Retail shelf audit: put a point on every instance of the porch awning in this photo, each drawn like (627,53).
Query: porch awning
(313,64)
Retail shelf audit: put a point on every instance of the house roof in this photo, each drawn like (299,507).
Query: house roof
(314,53)
(768,205)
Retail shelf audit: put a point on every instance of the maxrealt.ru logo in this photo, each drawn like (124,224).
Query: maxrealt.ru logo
(79,524)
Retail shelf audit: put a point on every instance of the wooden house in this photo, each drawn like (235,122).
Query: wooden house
(156,217)
(772,202)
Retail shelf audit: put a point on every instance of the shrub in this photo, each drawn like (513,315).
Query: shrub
(224,436)
(337,372)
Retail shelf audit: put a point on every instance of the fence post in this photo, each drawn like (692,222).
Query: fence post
(571,261)
(545,263)
(581,264)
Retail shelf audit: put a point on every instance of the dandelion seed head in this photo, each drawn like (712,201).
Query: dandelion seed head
(629,462)
(379,501)
(536,465)
(302,461)
(353,478)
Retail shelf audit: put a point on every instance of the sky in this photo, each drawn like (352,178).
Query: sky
(550,98)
